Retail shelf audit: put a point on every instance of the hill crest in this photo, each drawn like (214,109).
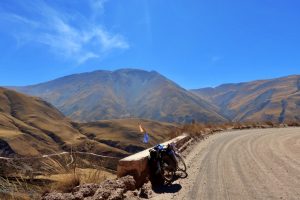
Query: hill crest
(121,94)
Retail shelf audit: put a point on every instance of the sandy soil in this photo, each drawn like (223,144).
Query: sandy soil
(246,164)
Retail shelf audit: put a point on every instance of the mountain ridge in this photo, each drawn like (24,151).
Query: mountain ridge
(123,93)
(128,92)
(274,99)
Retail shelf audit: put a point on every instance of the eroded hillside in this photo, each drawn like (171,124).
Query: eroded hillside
(264,100)
(121,94)
(30,126)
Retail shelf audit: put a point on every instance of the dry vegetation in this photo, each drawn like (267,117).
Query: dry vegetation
(64,172)
(59,175)
(200,129)
(264,100)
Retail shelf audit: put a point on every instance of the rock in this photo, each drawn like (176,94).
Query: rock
(117,194)
(101,194)
(89,198)
(113,184)
(146,190)
(114,189)
(59,196)
(131,195)
(129,183)
(109,189)
(85,190)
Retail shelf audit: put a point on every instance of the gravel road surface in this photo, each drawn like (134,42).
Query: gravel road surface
(245,164)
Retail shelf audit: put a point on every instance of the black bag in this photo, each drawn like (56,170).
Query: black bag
(154,167)
(169,159)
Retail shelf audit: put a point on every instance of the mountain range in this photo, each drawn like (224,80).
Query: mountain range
(276,100)
(128,93)
(124,93)
(108,105)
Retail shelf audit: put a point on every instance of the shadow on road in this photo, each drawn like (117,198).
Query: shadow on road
(173,188)
(170,188)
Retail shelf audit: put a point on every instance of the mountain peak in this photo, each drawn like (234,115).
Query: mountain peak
(123,93)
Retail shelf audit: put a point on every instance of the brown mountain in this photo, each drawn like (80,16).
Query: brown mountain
(29,126)
(275,99)
(122,94)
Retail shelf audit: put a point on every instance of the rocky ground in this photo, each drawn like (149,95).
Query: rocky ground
(121,188)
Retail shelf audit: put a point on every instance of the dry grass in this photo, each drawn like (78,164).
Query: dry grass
(93,175)
(16,189)
(61,174)
(66,184)
(199,130)
(71,176)
(293,123)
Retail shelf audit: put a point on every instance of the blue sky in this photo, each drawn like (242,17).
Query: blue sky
(195,43)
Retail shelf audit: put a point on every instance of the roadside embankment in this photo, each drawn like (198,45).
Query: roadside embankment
(136,165)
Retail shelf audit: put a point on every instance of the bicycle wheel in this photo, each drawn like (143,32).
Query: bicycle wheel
(181,166)
(168,175)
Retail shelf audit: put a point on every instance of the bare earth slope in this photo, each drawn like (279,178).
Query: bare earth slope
(275,99)
(30,126)
(124,134)
(249,164)
(121,94)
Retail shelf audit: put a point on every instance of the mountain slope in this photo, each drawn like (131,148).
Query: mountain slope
(121,94)
(275,100)
(30,126)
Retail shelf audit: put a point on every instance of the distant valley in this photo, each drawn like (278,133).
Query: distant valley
(29,126)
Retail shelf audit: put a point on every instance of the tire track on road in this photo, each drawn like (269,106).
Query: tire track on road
(245,164)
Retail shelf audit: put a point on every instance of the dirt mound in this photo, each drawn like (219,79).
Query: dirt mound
(109,189)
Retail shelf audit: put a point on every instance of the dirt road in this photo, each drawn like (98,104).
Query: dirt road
(247,164)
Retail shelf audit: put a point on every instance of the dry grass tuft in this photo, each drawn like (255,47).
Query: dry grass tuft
(66,184)
(15,189)
(200,130)
(293,123)
(92,176)
(58,173)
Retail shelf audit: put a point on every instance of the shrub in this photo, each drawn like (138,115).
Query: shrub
(67,184)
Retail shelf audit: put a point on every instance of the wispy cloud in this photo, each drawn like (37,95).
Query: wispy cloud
(72,36)
(215,59)
(97,4)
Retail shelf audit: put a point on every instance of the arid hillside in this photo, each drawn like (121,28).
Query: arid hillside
(124,133)
(121,94)
(263,100)
(29,126)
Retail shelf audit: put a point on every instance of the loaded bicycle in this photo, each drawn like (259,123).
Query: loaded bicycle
(165,161)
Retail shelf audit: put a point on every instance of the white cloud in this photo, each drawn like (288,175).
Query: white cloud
(97,5)
(14,18)
(74,37)
(215,59)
